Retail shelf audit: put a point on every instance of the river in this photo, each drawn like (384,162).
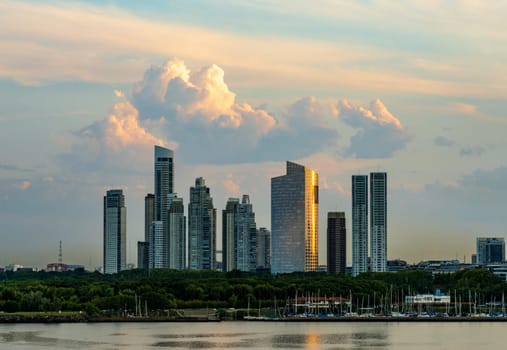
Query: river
(255,335)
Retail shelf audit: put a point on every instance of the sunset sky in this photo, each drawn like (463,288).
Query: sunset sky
(416,88)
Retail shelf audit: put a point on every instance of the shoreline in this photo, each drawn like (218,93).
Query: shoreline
(16,319)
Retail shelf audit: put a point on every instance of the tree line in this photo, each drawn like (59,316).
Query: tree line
(162,289)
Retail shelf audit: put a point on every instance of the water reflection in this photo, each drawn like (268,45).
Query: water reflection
(36,339)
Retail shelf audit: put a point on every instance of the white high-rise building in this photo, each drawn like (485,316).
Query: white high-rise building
(359,224)
(115,232)
(163,186)
(378,222)
(156,245)
(294,220)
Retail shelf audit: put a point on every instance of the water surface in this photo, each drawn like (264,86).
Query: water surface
(255,335)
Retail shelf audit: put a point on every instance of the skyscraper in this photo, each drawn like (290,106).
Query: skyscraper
(143,255)
(229,235)
(176,223)
(294,220)
(246,236)
(164,179)
(490,250)
(336,242)
(115,231)
(263,248)
(359,224)
(239,235)
(378,222)
(201,228)
(143,248)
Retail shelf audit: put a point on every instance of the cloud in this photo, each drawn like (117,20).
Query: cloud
(112,143)
(196,113)
(202,115)
(23,185)
(231,186)
(68,43)
(463,108)
(10,167)
(472,151)
(380,134)
(443,141)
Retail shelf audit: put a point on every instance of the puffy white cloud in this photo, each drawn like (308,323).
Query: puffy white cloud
(198,113)
(112,143)
(380,133)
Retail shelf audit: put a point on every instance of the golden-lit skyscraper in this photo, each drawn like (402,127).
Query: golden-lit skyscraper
(295,220)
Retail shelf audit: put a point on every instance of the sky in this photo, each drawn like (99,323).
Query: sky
(236,88)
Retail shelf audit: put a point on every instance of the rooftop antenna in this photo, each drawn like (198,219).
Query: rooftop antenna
(60,256)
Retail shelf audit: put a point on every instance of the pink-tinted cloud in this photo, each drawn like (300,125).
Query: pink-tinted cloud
(23,185)
(197,113)
(379,134)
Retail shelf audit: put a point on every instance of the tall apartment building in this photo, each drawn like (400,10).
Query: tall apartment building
(294,220)
(176,225)
(378,222)
(263,249)
(201,228)
(246,236)
(115,232)
(143,250)
(229,235)
(359,224)
(336,242)
(163,185)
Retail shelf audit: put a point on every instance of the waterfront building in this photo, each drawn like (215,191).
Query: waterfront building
(294,220)
(359,224)
(229,235)
(336,242)
(115,232)
(201,228)
(490,250)
(176,225)
(378,222)
(263,249)
(163,186)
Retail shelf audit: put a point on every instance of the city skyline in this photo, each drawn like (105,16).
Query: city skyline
(414,89)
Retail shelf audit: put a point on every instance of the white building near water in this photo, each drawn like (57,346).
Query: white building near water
(428,299)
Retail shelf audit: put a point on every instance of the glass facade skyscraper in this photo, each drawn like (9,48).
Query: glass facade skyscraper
(359,224)
(246,236)
(176,225)
(115,232)
(164,185)
(263,249)
(201,228)
(143,248)
(229,235)
(378,222)
(336,242)
(294,220)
